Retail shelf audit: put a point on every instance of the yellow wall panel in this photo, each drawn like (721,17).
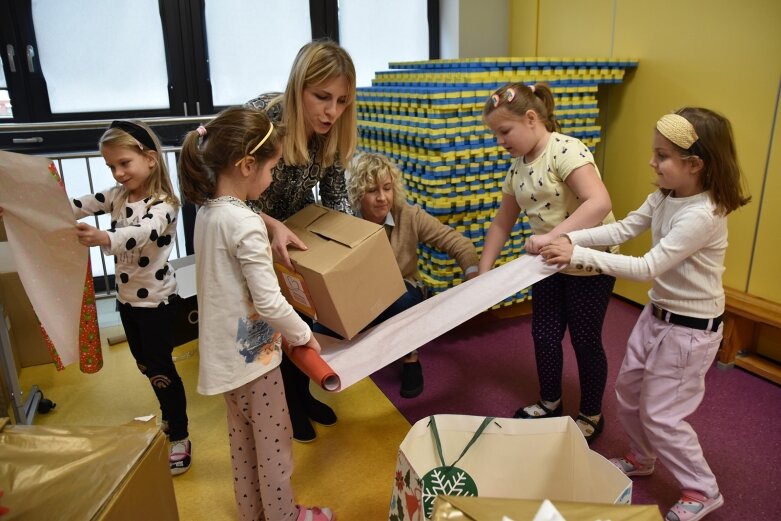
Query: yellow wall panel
(765,279)
(718,54)
(523,27)
(575,28)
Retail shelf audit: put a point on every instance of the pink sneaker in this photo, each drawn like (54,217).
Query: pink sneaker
(693,506)
(630,467)
(315,514)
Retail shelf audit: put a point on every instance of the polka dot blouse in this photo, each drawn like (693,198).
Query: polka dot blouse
(142,235)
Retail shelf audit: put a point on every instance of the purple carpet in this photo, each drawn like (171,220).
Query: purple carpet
(486,367)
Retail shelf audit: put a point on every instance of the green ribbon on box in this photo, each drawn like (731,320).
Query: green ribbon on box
(448,480)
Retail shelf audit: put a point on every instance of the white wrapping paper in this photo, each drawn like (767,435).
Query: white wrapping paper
(355,359)
(41,230)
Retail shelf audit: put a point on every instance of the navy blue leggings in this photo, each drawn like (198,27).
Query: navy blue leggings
(150,337)
(579,303)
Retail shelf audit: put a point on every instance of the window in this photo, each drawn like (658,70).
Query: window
(376,33)
(120,50)
(251,46)
(98,60)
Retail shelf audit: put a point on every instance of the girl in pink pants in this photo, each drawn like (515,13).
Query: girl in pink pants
(662,378)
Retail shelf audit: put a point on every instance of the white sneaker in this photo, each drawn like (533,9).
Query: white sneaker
(180,456)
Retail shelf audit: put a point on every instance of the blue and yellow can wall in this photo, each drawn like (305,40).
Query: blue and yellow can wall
(427,117)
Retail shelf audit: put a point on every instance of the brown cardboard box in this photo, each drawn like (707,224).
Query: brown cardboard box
(455,508)
(91,473)
(29,346)
(349,274)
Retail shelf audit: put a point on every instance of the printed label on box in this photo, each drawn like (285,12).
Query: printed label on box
(296,289)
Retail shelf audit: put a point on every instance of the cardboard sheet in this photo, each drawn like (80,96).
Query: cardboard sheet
(452,508)
(353,360)
(41,230)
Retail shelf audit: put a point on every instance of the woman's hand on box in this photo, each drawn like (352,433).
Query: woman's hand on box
(282,238)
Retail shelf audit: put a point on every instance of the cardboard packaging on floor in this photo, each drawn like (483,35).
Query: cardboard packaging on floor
(347,276)
(91,473)
(455,508)
(29,346)
(186,325)
(513,458)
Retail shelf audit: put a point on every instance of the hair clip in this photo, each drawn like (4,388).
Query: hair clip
(531,88)
(201,130)
(508,95)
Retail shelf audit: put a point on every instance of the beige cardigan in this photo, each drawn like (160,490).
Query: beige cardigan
(412,226)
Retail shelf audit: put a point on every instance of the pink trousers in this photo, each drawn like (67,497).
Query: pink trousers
(662,382)
(261,443)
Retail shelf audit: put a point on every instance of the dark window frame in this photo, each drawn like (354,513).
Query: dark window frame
(189,86)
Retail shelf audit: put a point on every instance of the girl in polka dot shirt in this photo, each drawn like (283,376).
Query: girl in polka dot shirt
(143,211)
(243,317)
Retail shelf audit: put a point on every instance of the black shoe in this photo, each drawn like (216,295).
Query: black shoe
(598,427)
(303,431)
(520,413)
(411,379)
(319,412)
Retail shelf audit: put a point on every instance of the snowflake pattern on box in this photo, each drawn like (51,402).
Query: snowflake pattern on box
(446,481)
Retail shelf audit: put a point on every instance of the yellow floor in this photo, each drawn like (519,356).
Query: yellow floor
(348,468)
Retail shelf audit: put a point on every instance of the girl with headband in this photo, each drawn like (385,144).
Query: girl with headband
(144,212)
(662,378)
(554,181)
(243,317)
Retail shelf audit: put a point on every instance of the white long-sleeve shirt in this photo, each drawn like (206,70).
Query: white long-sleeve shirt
(240,305)
(685,262)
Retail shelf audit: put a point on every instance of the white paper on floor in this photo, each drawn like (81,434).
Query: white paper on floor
(380,346)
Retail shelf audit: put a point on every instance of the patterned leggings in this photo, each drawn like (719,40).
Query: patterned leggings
(261,442)
(561,301)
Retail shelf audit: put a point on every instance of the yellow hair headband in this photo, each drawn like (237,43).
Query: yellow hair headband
(260,143)
(678,130)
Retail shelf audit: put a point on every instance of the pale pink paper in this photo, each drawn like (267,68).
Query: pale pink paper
(355,359)
(41,230)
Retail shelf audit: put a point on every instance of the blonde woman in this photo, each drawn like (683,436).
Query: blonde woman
(318,111)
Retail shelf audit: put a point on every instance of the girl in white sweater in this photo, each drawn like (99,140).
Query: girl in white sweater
(243,316)
(662,378)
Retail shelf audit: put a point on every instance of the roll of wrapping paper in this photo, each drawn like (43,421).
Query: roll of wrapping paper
(312,364)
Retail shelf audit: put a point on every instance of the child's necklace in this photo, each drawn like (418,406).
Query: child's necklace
(235,201)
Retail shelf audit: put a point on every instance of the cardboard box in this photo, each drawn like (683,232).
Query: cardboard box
(29,346)
(448,508)
(186,325)
(547,458)
(91,473)
(349,274)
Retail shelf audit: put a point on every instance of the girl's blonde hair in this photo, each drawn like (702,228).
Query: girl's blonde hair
(368,171)
(218,145)
(721,175)
(518,98)
(316,63)
(158,184)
